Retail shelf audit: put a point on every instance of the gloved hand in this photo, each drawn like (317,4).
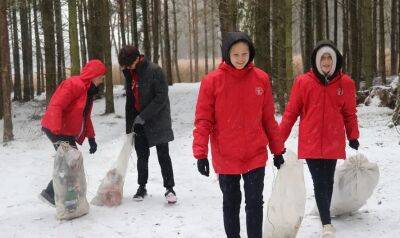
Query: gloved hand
(278,161)
(138,120)
(137,127)
(93,145)
(203,166)
(354,144)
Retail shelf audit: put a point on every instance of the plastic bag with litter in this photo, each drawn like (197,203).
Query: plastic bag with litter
(110,191)
(69,183)
(285,209)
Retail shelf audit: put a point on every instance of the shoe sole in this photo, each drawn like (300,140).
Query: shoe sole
(138,199)
(44,200)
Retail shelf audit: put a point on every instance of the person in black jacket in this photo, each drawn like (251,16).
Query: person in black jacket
(148,115)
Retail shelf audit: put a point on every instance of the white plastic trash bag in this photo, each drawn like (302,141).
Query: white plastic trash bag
(69,183)
(110,191)
(286,205)
(355,181)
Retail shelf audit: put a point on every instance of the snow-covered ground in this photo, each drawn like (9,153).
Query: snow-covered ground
(26,167)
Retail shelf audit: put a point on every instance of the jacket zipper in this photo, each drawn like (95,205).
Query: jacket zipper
(323,116)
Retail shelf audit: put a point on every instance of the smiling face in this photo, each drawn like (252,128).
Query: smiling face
(239,55)
(326,63)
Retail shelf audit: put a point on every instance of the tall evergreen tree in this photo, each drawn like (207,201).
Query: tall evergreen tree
(73,37)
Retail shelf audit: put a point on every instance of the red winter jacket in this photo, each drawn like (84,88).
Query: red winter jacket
(235,108)
(64,114)
(326,113)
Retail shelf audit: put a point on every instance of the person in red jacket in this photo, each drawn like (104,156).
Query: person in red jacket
(67,117)
(235,109)
(325,100)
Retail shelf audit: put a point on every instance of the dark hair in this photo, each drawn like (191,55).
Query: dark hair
(127,55)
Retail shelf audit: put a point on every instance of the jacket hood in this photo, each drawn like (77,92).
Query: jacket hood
(339,61)
(231,38)
(93,69)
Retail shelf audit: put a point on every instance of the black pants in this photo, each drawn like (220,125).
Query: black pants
(143,152)
(322,173)
(54,139)
(232,197)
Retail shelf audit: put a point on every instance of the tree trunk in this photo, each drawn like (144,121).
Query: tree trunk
(82,33)
(195,41)
(345,33)
(30,40)
(190,54)
(146,41)
(335,23)
(17,69)
(354,29)
(5,80)
(38,49)
(213,32)
(367,64)
(175,44)
(25,49)
(287,83)
(262,34)
(95,30)
(278,71)
(228,16)
(382,55)
(135,34)
(87,27)
(327,19)
(393,37)
(398,30)
(109,95)
(309,35)
(60,42)
(301,32)
(319,19)
(121,12)
(155,27)
(73,38)
(49,46)
(205,10)
(167,44)
(396,112)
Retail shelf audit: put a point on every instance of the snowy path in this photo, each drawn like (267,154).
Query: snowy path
(26,167)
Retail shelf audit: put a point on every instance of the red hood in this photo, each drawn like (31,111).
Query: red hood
(93,69)
(236,73)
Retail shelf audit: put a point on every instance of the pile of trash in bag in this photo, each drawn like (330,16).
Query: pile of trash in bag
(110,191)
(69,183)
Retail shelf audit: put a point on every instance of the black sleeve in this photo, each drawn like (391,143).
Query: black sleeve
(161,96)
(129,112)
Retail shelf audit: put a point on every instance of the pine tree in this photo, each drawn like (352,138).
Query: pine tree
(49,46)
(73,37)
(5,80)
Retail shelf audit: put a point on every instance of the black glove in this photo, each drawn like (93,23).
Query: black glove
(278,161)
(203,166)
(138,127)
(354,144)
(93,145)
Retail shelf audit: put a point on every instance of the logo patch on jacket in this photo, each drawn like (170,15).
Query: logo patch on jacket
(259,91)
(339,91)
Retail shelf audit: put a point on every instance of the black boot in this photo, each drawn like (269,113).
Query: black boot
(140,193)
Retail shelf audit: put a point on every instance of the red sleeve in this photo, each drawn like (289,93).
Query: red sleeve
(349,113)
(292,111)
(204,119)
(89,129)
(65,94)
(269,123)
